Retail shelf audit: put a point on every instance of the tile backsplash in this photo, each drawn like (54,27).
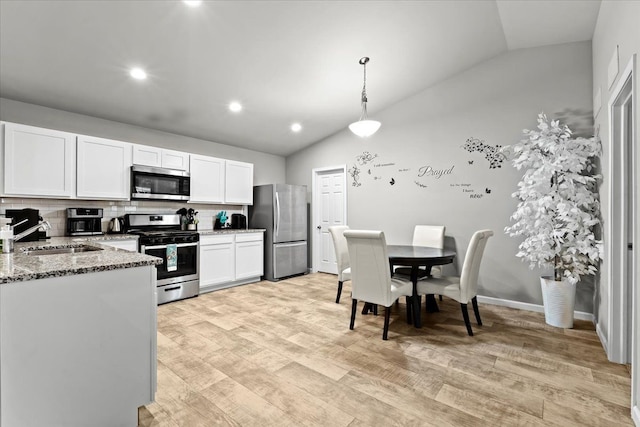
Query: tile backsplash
(55,210)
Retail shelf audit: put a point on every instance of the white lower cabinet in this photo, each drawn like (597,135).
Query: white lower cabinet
(230,259)
(78,350)
(249,255)
(216,260)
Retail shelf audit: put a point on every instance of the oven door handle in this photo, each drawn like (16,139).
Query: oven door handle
(179,245)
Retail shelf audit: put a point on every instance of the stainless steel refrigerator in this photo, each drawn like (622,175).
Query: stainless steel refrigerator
(281,209)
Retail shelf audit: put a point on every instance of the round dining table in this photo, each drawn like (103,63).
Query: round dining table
(416,257)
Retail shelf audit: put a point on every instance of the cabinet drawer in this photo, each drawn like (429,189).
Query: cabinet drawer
(249,237)
(216,239)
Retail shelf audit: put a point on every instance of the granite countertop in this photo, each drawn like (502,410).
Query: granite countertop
(231,231)
(19,266)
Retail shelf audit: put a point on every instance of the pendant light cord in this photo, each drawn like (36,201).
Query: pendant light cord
(363,115)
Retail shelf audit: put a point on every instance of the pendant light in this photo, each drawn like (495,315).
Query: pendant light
(364,127)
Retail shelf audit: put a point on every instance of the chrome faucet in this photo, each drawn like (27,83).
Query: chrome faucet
(44,225)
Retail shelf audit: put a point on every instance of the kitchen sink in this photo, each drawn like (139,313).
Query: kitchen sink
(57,251)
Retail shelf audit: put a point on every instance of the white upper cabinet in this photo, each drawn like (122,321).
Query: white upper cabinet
(175,160)
(38,162)
(207,179)
(147,156)
(238,183)
(158,157)
(104,168)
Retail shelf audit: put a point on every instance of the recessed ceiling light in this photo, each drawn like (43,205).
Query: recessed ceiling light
(192,3)
(296,127)
(138,73)
(235,107)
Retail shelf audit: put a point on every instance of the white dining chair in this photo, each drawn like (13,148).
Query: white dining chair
(371,280)
(342,256)
(463,288)
(425,235)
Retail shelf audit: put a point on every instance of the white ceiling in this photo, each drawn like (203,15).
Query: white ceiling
(285,61)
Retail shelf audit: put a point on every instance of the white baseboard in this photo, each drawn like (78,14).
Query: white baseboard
(603,338)
(581,315)
(635,415)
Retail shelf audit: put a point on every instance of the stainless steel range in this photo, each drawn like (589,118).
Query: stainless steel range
(160,236)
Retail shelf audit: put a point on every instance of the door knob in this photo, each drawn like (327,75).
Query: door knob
(319,227)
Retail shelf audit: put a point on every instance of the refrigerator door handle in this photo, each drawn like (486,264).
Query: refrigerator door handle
(277,222)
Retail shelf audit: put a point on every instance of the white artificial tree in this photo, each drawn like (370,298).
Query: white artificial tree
(558,205)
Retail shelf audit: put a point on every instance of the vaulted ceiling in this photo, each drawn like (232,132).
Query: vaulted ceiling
(284,61)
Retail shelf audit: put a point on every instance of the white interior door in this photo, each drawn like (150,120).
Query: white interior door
(329,208)
(623,224)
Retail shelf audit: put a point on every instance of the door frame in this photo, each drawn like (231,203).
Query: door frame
(315,214)
(617,337)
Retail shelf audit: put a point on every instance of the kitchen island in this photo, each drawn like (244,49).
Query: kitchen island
(77,334)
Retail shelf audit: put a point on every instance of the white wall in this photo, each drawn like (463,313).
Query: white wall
(618,25)
(268,168)
(492,102)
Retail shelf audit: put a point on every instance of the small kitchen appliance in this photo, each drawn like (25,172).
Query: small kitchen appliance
(116,226)
(151,183)
(160,235)
(238,222)
(84,221)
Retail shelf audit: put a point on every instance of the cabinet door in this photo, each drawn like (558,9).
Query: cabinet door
(207,179)
(147,156)
(249,256)
(238,183)
(104,168)
(38,162)
(217,261)
(175,160)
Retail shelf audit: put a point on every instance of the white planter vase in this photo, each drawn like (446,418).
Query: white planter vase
(559,301)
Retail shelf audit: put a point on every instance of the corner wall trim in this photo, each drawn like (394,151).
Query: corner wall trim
(581,315)
(635,414)
(603,338)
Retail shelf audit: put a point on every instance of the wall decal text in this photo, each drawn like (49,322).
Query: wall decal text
(437,173)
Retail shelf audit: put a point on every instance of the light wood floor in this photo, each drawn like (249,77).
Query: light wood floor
(282,354)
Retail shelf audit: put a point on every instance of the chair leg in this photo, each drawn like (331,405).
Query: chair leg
(387,313)
(354,307)
(415,310)
(474,302)
(409,301)
(339,292)
(465,314)
(440,297)
(375,309)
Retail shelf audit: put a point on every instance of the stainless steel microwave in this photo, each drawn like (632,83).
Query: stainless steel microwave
(151,183)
